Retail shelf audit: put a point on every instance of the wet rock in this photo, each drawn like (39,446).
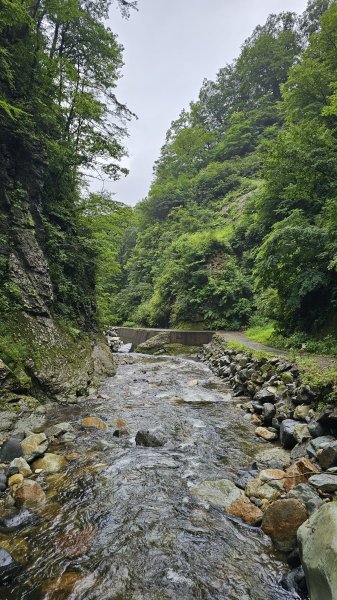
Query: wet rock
(315,429)
(294,581)
(9,568)
(306,494)
(244,477)
(268,413)
(3,481)
(267,394)
(328,457)
(274,458)
(75,543)
(34,445)
(294,559)
(317,541)
(244,509)
(155,344)
(221,492)
(287,433)
(150,439)
(10,450)
(281,521)
(325,482)
(299,472)
(29,494)
(16,520)
(50,463)
(22,466)
(266,434)
(67,585)
(93,423)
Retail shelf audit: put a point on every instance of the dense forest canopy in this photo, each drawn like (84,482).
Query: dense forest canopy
(239,223)
(59,120)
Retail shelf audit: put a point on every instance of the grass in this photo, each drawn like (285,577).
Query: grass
(261,333)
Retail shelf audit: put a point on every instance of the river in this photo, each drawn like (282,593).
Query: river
(121,520)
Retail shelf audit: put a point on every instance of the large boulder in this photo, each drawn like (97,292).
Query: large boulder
(317,539)
(281,521)
(299,472)
(156,344)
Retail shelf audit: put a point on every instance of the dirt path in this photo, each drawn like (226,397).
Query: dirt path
(325,362)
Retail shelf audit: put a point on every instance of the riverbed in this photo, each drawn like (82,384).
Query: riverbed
(121,523)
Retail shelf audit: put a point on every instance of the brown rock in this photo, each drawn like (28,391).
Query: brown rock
(267,486)
(15,480)
(255,419)
(50,463)
(34,445)
(76,543)
(61,588)
(93,423)
(299,472)
(29,494)
(265,434)
(281,521)
(245,510)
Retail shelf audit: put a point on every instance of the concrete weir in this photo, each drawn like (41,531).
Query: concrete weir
(134,336)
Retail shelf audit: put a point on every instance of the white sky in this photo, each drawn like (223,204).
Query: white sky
(170,47)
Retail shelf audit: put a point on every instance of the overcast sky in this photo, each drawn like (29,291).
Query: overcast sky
(170,47)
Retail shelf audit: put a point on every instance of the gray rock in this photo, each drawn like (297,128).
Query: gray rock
(318,444)
(22,466)
(268,413)
(328,417)
(7,420)
(299,451)
(59,429)
(10,450)
(315,429)
(267,394)
(307,495)
(34,445)
(9,568)
(317,541)
(328,457)
(325,482)
(30,423)
(287,433)
(150,439)
(18,519)
(294,581)
(221,492)
(273,458)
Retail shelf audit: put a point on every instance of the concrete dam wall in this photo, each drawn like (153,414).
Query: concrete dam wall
(133,336)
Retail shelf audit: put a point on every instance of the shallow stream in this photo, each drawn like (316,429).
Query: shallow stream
(121,522)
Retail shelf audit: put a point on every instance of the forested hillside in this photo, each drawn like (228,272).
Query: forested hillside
(240,221)
(60,120)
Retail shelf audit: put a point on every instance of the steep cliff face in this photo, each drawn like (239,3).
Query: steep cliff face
(48,353)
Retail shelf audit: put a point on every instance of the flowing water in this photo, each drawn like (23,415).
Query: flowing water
(121,521)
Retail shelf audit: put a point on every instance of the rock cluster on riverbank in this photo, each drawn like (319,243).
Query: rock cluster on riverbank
(296,479)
